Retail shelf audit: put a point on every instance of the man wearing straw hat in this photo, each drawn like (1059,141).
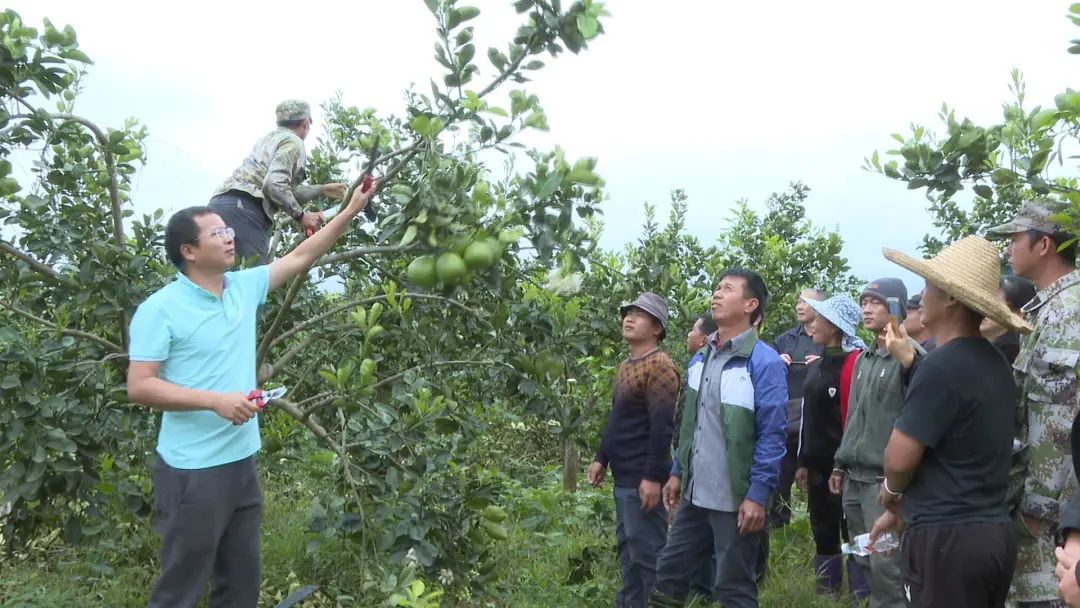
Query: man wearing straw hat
(1046,375)
(947,461)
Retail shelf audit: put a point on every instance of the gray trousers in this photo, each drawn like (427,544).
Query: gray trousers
(697,535)
(641,537)
(208,521)
(861,508)
(244,214)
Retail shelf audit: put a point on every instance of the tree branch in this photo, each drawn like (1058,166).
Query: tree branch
(313,425)
(267,372)
(110,161)
(509,71)
(399,152)
(399,376)
(275,325)
(35,265)
(361,251)
(67,332)
(346,306)
(114,188)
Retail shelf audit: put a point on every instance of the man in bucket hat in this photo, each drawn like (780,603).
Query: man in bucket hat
(1045,369)
(947,460)
(271,178)
(731,443)
(637,445)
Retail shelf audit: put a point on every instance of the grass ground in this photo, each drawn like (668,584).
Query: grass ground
(558,555)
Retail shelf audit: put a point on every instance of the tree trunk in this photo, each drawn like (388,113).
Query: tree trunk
(571,465)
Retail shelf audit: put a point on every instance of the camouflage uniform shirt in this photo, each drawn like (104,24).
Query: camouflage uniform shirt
(1046,374)
(274,173)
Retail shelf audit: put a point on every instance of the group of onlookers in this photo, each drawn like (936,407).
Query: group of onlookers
(948,429)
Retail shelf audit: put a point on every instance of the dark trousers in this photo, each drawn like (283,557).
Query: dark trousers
(780,509)
(208,520)
(959,566)
(695,534)
(826,514)
(244,214)
(641,537)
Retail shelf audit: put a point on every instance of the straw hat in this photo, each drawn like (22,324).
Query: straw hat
(970,271)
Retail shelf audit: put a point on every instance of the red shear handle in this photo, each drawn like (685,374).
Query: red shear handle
(257,397)
(365,185)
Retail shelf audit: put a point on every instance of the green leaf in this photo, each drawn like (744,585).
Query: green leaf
(588,26)
(465,55)
(433,6)
(409,236)
(536,120)
(984,191)
(461,15)
(497,58)
(551,184)
(75,55)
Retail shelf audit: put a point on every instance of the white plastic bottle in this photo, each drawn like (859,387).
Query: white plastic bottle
(860,545)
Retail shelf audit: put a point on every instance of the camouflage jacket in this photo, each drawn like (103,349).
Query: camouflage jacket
(1046,376)
(274,172)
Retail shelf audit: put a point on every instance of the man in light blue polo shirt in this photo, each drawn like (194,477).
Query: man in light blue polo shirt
(192,357)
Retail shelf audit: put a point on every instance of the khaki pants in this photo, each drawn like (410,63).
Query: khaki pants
(861,507)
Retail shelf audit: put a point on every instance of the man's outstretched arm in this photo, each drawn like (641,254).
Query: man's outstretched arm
(300,259)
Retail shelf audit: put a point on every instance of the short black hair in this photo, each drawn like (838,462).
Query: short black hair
(291,124)
(755,285)
(1068,253)
(708,324)
(182,230)
(1017,290)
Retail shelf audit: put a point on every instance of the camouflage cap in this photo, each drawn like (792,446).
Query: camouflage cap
(1033,215)
(293,109)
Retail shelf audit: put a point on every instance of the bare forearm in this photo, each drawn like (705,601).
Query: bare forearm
(897,474)
(165,396)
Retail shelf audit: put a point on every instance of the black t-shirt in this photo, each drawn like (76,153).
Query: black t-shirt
(961,405)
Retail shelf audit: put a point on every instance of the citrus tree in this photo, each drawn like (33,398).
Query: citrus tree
(390,367)
(976,176)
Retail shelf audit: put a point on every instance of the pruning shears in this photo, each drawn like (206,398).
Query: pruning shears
(261,397)
(366,181)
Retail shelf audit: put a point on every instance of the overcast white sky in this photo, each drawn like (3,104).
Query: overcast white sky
(726,100)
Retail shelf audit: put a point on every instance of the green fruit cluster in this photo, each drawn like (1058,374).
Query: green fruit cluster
(451,267)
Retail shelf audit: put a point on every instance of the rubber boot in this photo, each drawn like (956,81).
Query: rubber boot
(857,582)
(830,573)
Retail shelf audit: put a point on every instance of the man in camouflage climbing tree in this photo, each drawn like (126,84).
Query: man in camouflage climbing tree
(271,178)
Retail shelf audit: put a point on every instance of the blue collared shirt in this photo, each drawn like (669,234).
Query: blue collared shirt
(208,343)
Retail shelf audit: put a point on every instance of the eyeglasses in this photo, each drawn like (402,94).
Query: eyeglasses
(222,234)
